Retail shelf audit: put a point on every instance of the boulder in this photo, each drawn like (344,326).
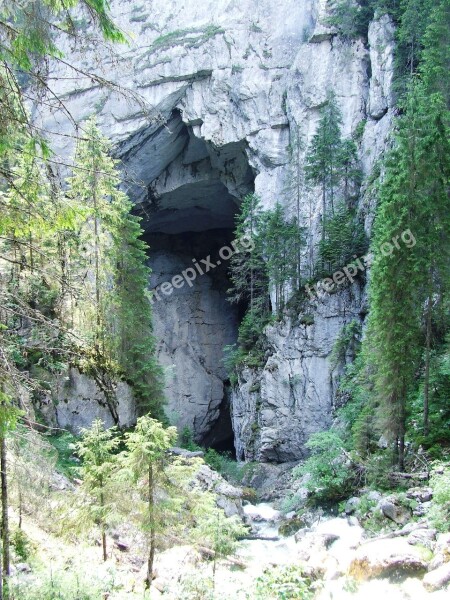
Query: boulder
(421,494)
(374,496)
(441,551)
(393,558)
(424,537)
(228,497)
(261,512)
(438,578)
(311,544)
(23,567)
(352,505)
(186,453)
(392,511)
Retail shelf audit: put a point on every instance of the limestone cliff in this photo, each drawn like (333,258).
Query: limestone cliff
(227,88)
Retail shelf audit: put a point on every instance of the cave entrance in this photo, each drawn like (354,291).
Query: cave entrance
(188,208)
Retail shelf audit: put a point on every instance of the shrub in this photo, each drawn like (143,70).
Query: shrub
(440,510)
(331,479)
(21,544)
(187,439)
(67,586)
(65,445)
(284,583)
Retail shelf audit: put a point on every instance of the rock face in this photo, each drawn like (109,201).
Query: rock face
(276,409)
(225,91)
(79,400)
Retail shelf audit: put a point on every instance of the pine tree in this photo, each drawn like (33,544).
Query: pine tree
(96,448)
(280,240)
(144,462)
(323,156)
(248,271)
(115,267)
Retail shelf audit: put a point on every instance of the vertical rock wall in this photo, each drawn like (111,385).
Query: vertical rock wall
(227,89)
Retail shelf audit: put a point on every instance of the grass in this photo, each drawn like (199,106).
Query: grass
(64,444)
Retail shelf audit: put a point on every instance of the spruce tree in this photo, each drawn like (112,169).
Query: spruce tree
(323,156)
(144,462)
(248,271)
(116,276)
(96,448)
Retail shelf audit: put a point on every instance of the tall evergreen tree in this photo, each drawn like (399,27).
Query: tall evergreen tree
(323,156)
(144,460)
(248,271)
(413,196)
(96,448)
(117,271)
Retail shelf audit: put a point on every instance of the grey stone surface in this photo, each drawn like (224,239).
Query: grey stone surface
(79,401)
(224,89)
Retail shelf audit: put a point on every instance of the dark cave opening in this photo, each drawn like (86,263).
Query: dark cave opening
(188,209)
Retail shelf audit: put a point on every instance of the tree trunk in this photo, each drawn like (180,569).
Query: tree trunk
(402,432)
(299,247)
(151,514)
(102,504)
(426,389)
(5,523)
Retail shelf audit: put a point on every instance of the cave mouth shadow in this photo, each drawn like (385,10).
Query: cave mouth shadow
(192,193)
(221,435)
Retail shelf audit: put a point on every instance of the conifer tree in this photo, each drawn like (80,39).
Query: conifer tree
(116,264)
(323,156)
(414,197)
(280,240)
(247,269)
(96,448)
(144,462)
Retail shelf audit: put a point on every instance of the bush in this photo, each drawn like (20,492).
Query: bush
(59,586)
(284,583)
(223,463)
(351,19)
(331,479)
(187,440)
(65,445)
(21,544)
(440,510)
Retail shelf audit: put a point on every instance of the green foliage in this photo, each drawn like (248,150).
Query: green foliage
(331,477)
(359,130)
(284,583)
(191,38)
(65,444)
(60,586)
(187,439)
(344,239)
(440,511)
(21,544)
(351,18)
(281,243)
(348,340)
(437,440)
(270,260)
